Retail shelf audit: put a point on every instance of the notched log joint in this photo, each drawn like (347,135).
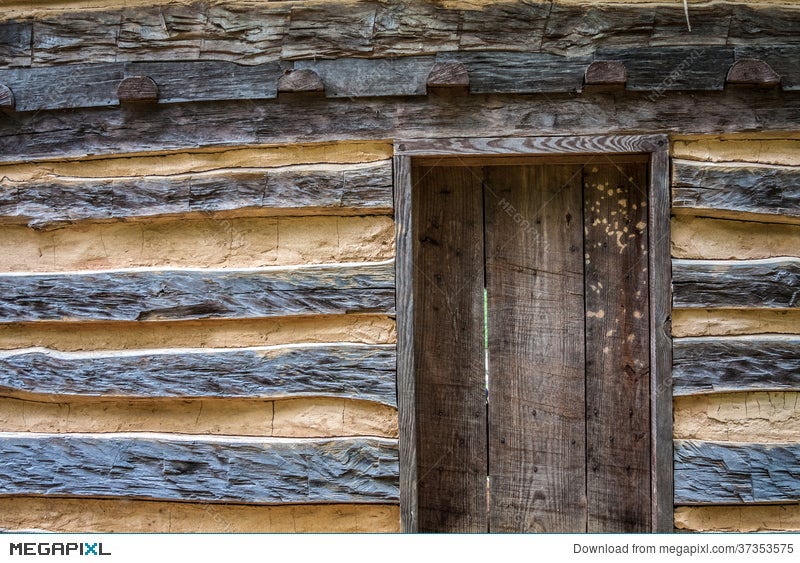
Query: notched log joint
(448,77)
(752,72)
(603,76)
(7,102)
(300,81)
(137,89)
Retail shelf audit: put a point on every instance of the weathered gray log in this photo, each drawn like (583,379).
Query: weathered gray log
(249,33)
(350,77)
(753,72)
(661,69)
(366,187)
(198,294)
(735,473)
(351,371)
(96,84)
(509,72)
(781,58)
(769,190)
(732,364)
(301,81)
(769,283)
(195,468)
(137,89)
(186,126)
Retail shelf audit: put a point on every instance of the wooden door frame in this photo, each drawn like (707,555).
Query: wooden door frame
(660,288)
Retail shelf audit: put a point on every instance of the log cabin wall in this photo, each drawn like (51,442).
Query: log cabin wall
(212,172)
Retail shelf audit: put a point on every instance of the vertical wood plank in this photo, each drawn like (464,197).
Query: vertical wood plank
(617,347)
(448,348)
(406,397)
(534,266)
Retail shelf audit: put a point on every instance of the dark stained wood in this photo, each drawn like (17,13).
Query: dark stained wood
(735,473)
(200,468)
(752,71)
(137,89)
(350,77)
(197,294)
(608,74)
(770,283)
(406,387)
(768,190)
(781,58)
(617,347)
(178,126)
(302,81)
(732,364)
(7,101)
(366,187)
(661,69)
(253,33)
(448,347)
(661,423)
(448,75)
(348,371)
(534,268)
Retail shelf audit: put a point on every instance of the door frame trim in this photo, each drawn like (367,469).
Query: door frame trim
(660,292)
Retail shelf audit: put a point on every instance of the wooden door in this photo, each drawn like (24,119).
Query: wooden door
(537,419)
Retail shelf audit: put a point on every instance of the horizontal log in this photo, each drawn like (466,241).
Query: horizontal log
(191,468)
(65,515)
(350,77)
(352,371)
(311,417)
(198,294)
(736,473)
(752,416)
(726,364)
(752,518)
(249,33)
(766,190)
(366,187)
(167,127)
(770,283)
(781,58)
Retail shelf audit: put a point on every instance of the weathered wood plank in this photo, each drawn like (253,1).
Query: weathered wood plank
(348,371)
(781,58)
(224,469)
(180,126)
(197,294)
(367,187)
(736,473)
(448,322)
(488,146)
(726,364)
(534,283)
(616,298)
(95,84)
(351,77)
(249,33)
(672,68)
(764,189)
(770,283)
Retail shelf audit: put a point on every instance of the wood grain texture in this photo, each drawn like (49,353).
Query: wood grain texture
(225,469)
(249,33)
(346,371)
(302,80)
(169,127)
(349,78)
(450,394)
(448,75)
(616,290)
(534,268)
(137,89)
(489,146)
(197,294)
(7,101)
(365,187)
(768,190)
(606,73)
(754,72)
(782,59)
(726,364)
(80,516)
(736,473)
(770,283)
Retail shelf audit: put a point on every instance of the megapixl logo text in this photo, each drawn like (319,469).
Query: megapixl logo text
(47,548)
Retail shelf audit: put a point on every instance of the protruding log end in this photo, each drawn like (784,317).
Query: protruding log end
(452,76)
(300,81)
(137,89)
(605,75)
(7,102)
(752,72)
